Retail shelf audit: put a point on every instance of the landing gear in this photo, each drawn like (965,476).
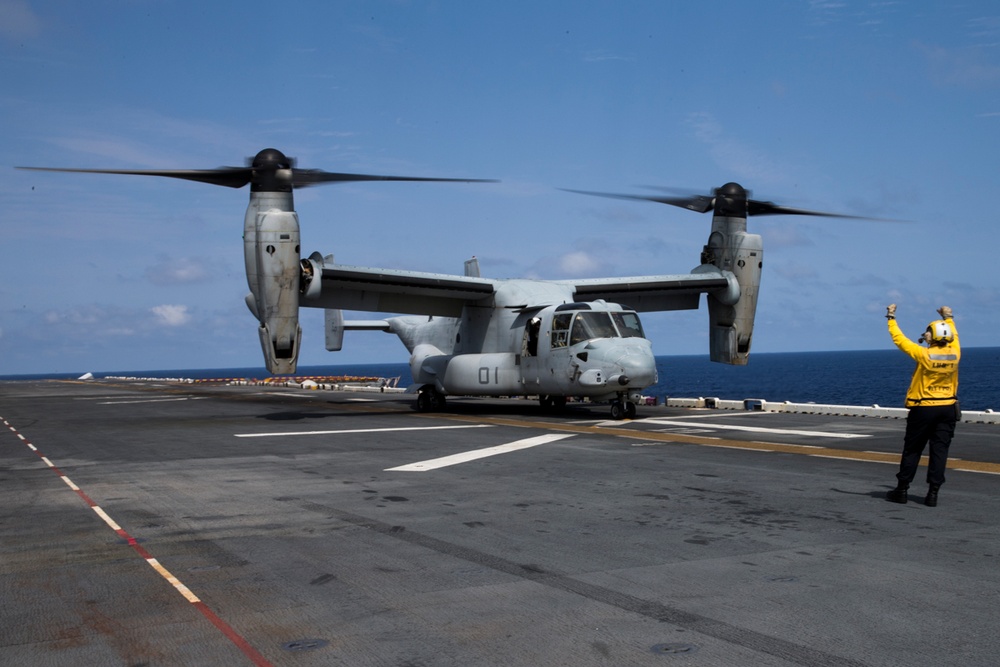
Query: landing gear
(620,410)
(552,403)
(430,399)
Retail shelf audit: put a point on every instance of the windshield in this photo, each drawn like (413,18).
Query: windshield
(573,328)
(591,325)
(628,325)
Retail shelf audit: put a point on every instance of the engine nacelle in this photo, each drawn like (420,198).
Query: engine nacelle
(732,249)
(271,251)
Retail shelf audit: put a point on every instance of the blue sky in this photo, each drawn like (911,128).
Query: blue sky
(886,109)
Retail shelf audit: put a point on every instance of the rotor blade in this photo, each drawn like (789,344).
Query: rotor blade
(755,207)
(705,203)
(230,177)
(305,177)
(697,203)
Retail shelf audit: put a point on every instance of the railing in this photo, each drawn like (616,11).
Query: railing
(760,405)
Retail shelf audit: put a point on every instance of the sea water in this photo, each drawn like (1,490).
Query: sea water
(874,377)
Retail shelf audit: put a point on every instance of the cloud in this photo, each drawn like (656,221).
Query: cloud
(178,144)
(866,280)
(985,28)
(785,235)
(572,264)
(168,271)
(602,56)
(965,68)
(19,22)
(797,272)
(77,317)
(73,326)
(171,315)
(732,155)
(623,214)
(578,263)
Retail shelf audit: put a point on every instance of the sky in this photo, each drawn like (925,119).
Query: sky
(888,109)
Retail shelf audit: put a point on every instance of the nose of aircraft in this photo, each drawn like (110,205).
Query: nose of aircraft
(632,363)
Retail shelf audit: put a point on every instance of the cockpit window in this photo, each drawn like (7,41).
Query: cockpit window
(560,329)
(591,325)
(573,328)
(628,325)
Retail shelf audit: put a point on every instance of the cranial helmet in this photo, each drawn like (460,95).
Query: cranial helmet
(940,332)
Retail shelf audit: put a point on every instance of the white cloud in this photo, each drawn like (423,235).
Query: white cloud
(578,263)
(168,271)
(171,315)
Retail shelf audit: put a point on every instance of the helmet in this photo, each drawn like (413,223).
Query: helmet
(940,332)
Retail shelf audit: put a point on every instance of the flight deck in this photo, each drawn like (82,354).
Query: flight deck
(160,523)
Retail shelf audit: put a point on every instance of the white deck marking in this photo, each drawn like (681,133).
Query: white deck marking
(174,581)
(155,400)
(98,398)
(107,519)
(360,430)
(455,459)
(713,414)
(759,429)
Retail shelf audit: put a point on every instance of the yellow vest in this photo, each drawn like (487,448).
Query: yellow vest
(935,380)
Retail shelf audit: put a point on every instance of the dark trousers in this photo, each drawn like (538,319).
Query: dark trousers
(934,424)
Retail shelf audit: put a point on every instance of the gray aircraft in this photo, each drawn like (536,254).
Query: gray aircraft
(474,336)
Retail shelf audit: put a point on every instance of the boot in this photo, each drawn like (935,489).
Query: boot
(897,495)
(931,499)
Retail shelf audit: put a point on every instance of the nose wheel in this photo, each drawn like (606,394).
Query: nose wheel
(622,410)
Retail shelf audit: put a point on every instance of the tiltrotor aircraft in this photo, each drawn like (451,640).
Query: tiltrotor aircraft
(469,335)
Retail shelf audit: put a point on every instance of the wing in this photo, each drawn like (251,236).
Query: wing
(653,293)
(393,291)
(379,290)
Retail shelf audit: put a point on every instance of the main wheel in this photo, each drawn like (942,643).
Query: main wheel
(430,399)
(617,410)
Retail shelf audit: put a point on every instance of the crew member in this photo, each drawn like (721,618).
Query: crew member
(932,400)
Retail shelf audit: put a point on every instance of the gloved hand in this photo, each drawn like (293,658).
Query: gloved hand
(944,312)
(890,312)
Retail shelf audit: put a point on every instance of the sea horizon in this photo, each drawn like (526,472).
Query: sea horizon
(854,377)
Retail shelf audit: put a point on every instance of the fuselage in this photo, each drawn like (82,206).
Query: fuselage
(513,346)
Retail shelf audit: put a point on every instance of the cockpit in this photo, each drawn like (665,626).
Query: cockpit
(574,323)
(594,349)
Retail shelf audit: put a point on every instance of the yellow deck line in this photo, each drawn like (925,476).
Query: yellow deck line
(752,445)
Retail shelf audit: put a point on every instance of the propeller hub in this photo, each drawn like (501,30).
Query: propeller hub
(731,201)
(731,189)
(271,158)
(271,172)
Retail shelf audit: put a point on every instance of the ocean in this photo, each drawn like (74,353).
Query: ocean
(873,377)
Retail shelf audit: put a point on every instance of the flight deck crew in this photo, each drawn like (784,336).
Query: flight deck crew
(932,400)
